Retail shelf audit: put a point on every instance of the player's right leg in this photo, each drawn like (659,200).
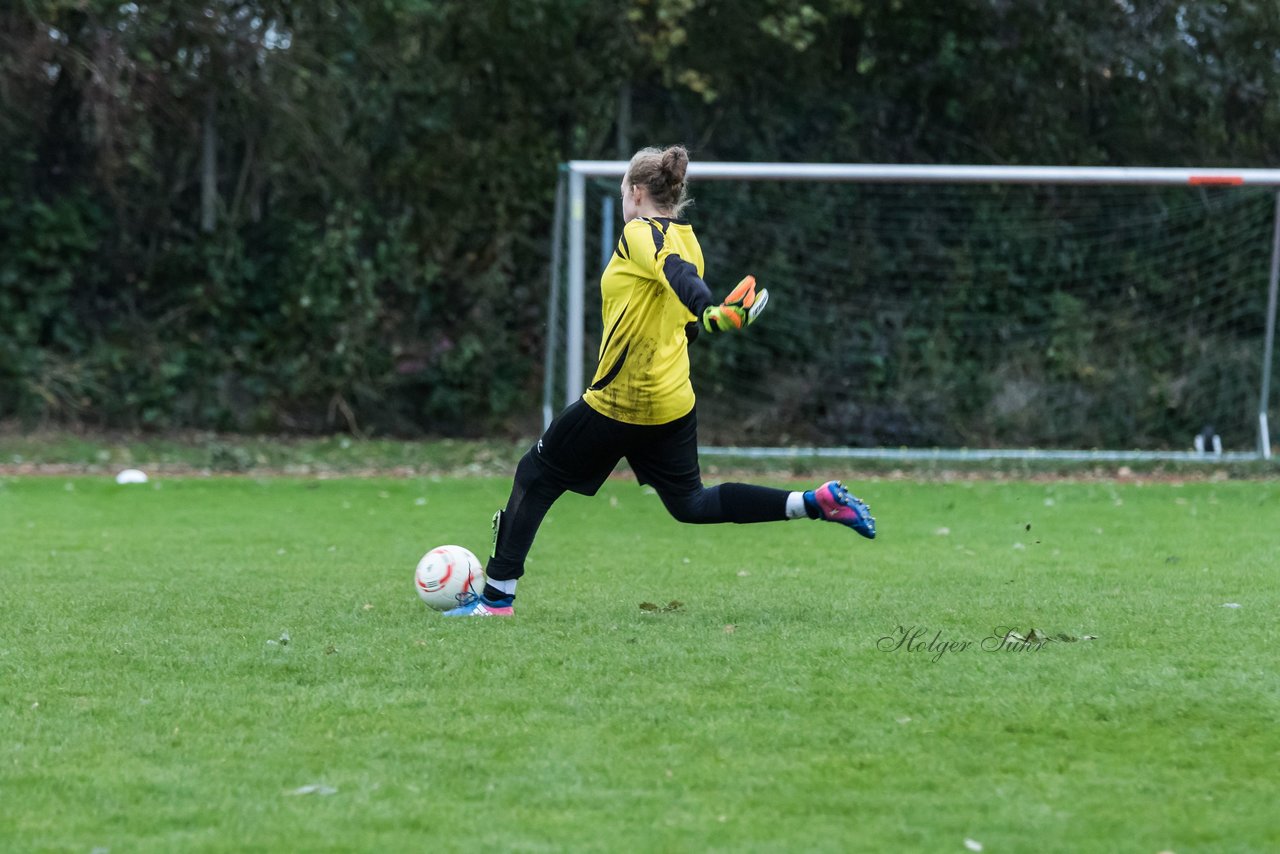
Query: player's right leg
(745,503)
(666,457)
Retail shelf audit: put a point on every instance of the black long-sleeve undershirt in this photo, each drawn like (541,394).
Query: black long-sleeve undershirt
(688,285)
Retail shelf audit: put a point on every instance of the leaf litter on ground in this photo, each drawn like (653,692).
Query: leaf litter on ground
(650,608)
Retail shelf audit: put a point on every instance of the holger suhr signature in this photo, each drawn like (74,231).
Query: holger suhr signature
(921,639)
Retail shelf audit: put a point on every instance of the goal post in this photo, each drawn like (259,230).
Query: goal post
(1157,275)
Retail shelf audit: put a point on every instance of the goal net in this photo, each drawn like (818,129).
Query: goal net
(961,314)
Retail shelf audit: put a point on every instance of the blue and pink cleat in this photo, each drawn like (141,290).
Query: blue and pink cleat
(478,606)
(836,504)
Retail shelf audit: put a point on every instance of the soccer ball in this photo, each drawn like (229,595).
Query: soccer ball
(446,576)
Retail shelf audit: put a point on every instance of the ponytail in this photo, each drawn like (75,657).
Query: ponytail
(662,173)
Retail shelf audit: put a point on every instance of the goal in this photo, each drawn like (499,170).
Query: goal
(960,311)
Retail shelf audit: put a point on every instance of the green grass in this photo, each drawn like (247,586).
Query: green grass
(221,453)
(146,703)
(67,452)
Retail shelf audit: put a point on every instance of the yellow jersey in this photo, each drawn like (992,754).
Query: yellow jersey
(651,290)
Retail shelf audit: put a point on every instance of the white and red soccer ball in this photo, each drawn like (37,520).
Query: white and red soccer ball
(448,576)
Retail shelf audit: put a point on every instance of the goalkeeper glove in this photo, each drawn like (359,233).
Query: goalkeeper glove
(740,308)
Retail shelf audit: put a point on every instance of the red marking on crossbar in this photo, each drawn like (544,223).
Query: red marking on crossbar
(1225,180)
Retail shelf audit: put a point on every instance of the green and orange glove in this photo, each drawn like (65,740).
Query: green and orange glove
(739,310)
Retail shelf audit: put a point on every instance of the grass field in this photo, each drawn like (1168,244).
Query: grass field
(181,661)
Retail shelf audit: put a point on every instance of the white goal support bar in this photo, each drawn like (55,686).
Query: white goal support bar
(578,171)
(930,174)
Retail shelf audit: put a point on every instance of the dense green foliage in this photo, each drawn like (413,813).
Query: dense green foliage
(316,216)
(987,316)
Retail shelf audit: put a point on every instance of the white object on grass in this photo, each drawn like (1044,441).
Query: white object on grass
(447,576)
(131,476)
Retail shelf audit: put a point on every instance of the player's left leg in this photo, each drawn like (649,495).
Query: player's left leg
(533,490)
(576,453)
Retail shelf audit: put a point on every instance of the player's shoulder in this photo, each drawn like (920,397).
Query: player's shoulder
(641,238)
(642,226)
(658,229)
(662,224)
(681,229)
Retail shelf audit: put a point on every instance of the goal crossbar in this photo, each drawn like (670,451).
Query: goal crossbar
(941,174)
(576,172)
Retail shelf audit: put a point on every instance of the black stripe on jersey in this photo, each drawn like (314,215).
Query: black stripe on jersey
(625,252)
(658,238)
(605,346)
(613,372)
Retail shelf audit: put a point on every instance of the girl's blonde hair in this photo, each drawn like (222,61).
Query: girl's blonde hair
(661,172)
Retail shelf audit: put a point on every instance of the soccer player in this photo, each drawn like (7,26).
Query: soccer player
(640,404)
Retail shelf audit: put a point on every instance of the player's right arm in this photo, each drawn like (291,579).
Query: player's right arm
(739,309)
